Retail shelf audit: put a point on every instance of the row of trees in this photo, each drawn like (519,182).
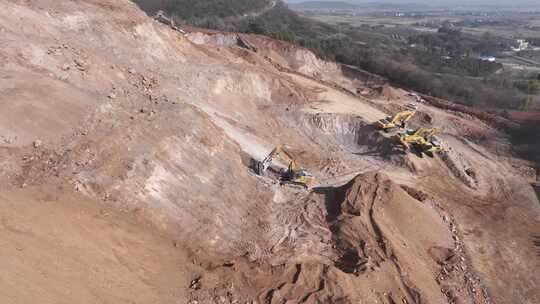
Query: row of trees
(451,51)
(420,71)
(191,10)
(526,141)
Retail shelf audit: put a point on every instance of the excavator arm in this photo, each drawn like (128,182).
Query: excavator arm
(277,151)
(293,174)
(398,121)
(263,165)
(286,157)
(427,133)
(402,117)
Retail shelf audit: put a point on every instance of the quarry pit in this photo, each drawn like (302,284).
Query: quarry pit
(125,164)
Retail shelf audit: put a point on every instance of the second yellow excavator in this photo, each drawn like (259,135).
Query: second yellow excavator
(293,174)
(422,140)
(398,121)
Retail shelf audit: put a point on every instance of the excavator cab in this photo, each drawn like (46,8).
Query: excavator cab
(292,174)
(299,177)
(398,121)
(433,146)
(421,140)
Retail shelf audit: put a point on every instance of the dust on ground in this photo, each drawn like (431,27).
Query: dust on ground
(128,162)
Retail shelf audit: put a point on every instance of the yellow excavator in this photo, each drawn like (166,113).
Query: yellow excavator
(421,140)
(292,175)
(398,121)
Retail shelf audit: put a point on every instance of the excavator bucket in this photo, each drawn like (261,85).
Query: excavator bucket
(259,168)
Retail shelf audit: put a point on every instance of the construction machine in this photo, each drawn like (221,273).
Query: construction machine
(292,174)
(398,121)
(421,140)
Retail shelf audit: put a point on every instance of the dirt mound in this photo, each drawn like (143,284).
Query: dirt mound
(461,168)
(390,93)
(379,230)
(378,234)
(162,129)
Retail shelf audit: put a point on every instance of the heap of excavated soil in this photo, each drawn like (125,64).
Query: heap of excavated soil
(388,247)
(126,165)
(390,93)
(382,232)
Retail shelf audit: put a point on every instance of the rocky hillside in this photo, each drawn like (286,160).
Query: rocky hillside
(126,165)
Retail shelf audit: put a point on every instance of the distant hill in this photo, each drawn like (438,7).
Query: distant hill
(407,6)
(352,5)
(322,5)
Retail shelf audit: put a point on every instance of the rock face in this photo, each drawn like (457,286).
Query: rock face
(126,165)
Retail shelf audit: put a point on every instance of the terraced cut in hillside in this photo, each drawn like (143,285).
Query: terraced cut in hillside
(126,173)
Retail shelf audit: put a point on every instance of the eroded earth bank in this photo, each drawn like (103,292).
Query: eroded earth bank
(126,173)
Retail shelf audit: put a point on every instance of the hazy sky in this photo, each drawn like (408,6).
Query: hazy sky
(444,2)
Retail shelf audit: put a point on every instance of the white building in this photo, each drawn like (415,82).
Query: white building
(488,58)
(522,45)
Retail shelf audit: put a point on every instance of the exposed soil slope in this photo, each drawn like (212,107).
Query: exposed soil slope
(126,159)
(59,247)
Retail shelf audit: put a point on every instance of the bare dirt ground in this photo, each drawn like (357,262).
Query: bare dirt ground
(126,153)
(61,247)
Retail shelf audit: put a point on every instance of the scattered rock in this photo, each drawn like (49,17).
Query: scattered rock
(470,172)
(80,64)
(37,143)
(195,284)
